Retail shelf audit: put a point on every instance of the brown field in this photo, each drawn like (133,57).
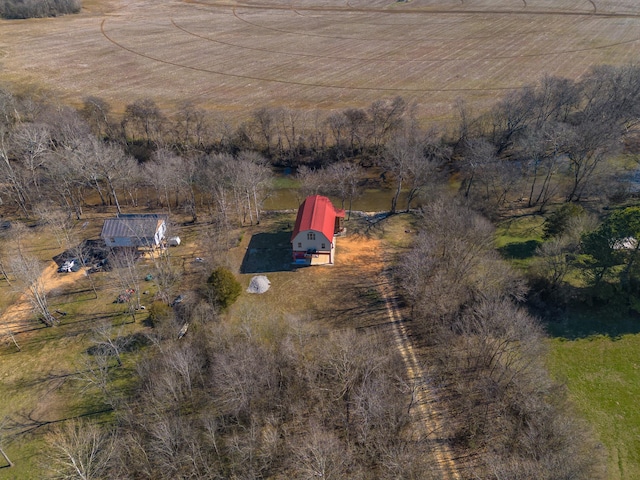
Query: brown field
(233,56)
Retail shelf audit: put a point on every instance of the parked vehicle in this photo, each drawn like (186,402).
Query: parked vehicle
(69,266)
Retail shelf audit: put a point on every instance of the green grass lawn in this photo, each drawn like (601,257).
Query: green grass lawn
(602,374)
(517,239)
(595,351)
(41,385)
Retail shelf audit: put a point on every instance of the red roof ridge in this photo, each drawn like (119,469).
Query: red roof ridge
(317,213)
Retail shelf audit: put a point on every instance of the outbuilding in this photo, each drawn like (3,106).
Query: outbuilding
(317,225)
(135,230)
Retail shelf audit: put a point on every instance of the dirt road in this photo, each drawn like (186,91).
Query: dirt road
(360,257)
(427,412)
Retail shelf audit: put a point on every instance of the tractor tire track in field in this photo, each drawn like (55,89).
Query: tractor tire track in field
(291,82)
(379,59)
(426,411)
(290,54)
(411,42)
(592,12)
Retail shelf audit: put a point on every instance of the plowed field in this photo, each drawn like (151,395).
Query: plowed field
(233,56)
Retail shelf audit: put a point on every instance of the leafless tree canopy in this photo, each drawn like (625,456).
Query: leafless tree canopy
(488,353)
(549,141)
(226,403)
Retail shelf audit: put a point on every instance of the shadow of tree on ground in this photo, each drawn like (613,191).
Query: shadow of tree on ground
(584,317)
(520,250)
(268,252)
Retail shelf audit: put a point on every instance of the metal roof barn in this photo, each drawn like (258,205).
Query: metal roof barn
(317,223)
(135,230)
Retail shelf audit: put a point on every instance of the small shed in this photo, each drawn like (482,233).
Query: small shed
(313,238)
(135,230)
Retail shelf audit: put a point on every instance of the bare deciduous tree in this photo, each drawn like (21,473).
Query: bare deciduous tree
(343,179)
(253,177)
(15,185)
(587,146)
(312,182)
(97,113)
(27,270)
(143,120)
(321,455)
(386,117)
(78,450)
(192,126)
(401,152)
(30,145)
(161,171)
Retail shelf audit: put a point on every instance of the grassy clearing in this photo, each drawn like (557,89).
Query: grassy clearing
(595,352)
(603,377)
(517,238)
(338,296)
(41,385)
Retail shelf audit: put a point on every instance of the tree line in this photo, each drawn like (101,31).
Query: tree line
(553,141)
(22,9)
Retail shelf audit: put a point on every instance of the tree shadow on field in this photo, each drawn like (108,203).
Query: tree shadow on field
(587,322)
(520,250)
(268,252)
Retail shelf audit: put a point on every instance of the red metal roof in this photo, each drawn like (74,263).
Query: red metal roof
(317,213)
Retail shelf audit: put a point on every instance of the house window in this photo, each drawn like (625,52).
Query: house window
(311,236)
(299,244)
(324,245)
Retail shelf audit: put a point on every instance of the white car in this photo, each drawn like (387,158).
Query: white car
(67,266)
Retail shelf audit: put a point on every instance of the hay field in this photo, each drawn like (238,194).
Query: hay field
(233,56)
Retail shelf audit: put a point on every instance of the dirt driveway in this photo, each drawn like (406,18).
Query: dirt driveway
(19,317)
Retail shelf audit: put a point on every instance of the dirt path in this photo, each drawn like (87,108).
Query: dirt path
(359,257)
(18,318)
(428,413)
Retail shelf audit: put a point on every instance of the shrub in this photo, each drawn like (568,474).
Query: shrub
(560,221)
(223,288)
(159,312)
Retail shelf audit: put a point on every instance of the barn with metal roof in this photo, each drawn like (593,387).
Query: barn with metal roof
(135,230)
(313,238)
